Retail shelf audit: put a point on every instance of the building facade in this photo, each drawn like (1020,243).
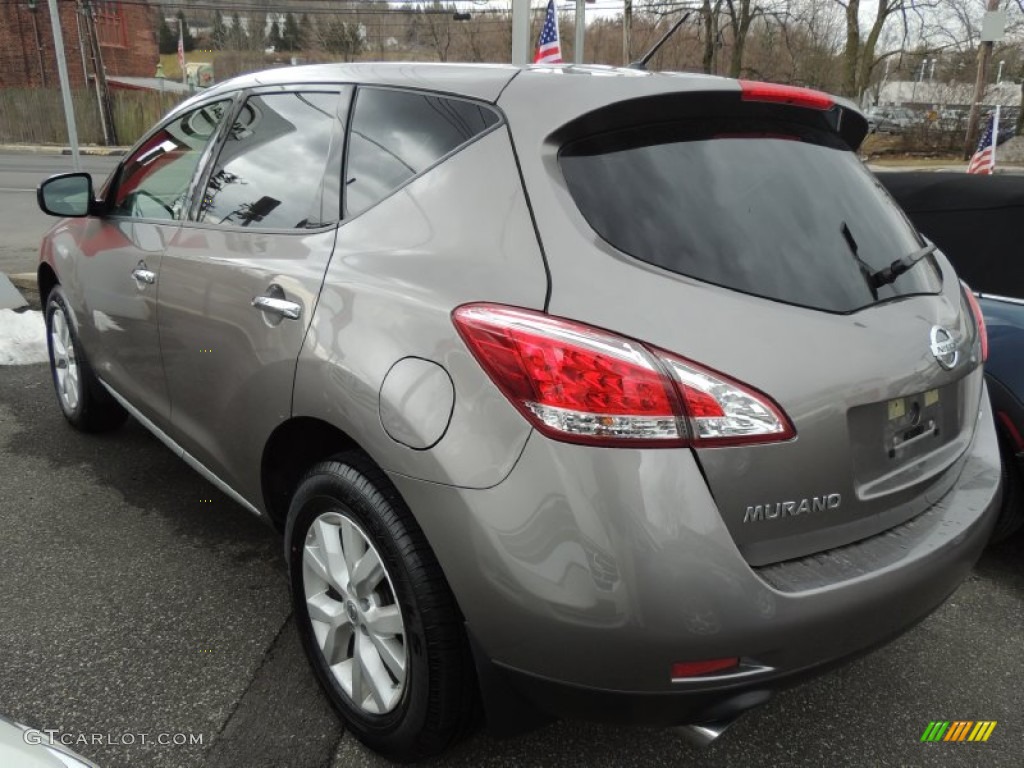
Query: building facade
(126,35)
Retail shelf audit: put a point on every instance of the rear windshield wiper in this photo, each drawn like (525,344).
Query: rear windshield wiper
(887,275)
(866,272)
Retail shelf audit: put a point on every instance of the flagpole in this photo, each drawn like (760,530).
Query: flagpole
(995,137)
(181,47)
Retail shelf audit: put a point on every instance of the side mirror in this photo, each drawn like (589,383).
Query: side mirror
(67,194)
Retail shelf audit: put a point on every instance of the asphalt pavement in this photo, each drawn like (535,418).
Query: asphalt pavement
(136,599)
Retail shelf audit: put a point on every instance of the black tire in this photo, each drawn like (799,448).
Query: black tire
(438,705)
(94,410)
(1011,513)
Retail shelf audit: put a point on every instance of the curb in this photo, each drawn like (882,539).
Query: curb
(26,283)
(55,149)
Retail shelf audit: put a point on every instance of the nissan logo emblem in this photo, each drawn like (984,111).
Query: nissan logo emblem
(944,347)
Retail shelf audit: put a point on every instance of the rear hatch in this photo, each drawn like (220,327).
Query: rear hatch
(749,238)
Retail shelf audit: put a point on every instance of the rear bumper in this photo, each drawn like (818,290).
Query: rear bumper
(588,572)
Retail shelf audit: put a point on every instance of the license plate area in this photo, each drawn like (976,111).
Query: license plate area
(913,423)
(889,434)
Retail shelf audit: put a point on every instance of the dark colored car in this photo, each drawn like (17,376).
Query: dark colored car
(976,221)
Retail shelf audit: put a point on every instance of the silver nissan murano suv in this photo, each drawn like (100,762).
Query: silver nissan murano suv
(575,392)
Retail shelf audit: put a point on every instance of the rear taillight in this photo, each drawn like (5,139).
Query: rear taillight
(979,319)
(581,384)
(752,90)
(721,411)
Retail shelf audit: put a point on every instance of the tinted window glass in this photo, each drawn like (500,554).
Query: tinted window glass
(773,209)
(153,183)
(270,171)
(398,134)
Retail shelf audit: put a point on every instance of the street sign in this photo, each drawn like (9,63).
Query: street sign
(993,26)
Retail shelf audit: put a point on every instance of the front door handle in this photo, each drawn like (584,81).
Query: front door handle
(143,275)
(277,306)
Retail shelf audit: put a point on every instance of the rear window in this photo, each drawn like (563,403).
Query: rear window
(777,210)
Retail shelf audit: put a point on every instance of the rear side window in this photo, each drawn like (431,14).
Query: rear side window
(396,135)
(270,171)
(773,209)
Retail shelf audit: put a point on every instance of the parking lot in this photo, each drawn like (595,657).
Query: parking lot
(137,599)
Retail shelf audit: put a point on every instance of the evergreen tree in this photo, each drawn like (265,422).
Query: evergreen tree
(167,40)
(219,34)
(274,38)
(305,33)
(340,37)
(236,35)
(290,34)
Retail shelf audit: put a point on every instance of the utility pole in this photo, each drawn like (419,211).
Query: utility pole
(984,55)
(39,43)
(581,27)
(627,28)
(520,32)
(100,78)
(65,86)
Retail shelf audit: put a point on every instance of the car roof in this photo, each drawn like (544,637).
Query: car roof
(476,81)
(566,91)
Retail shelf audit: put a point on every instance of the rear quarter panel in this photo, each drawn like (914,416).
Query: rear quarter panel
(461,232)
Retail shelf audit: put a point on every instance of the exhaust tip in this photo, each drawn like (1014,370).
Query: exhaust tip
(701,734)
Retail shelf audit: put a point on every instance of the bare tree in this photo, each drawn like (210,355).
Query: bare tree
(437,23)
(709,16)
(741,15)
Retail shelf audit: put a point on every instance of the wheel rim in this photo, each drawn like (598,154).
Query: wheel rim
(65,366)
(354,613)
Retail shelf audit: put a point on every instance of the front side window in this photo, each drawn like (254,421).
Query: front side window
(153,183)
(271,170)
(396,135)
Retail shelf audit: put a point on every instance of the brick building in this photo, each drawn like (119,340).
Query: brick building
(126,34)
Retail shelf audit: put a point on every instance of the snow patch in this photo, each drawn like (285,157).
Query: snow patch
(22,337)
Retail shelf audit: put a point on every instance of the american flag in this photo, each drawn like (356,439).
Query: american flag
(984,158)
(181,47)
(549,47)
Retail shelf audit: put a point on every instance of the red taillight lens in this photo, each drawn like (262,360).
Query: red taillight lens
(582,384)
(684,669)
(979,319)
(571,381)
(751,90)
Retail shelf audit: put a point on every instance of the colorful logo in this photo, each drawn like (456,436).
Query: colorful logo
(958,730)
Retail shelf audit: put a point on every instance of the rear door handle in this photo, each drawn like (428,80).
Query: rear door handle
(143,275)
(277,306)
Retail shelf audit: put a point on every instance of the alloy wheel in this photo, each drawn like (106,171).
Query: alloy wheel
(354,613)
(65,366)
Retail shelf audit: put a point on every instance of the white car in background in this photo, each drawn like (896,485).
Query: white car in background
(24,747)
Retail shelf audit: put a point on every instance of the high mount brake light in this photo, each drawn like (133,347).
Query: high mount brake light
(751,90)
(581,384)
(979,319)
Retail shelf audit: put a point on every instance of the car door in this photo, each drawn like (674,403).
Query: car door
(239,280)
(117,275)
